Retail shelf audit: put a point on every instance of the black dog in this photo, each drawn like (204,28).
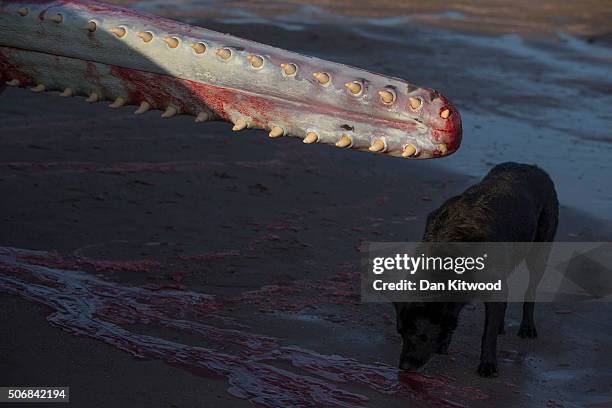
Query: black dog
(513,203)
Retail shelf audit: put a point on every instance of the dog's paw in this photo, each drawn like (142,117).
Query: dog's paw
(527,332)
(487,369)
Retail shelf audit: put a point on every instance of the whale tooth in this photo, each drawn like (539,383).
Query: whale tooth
(415,103)
(143,108)
(445,114)
(57,19)
(240,124)
(386,97)
(145,36)
(93,98)
(119,31)
(256,61)
(23,11)
(119,102)
(289,69)
(199,48)
(223,53)
(39,88)
(67,93)
(172,42)
(354,87)
(202,117)
(311,137)
(14,82)
(442,149)
(321,77)
(345,141)
(377,146)
(92,26)
(170,111)
(276,132)
(409,150)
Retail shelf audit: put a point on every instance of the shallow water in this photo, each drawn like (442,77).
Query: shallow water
(88,306)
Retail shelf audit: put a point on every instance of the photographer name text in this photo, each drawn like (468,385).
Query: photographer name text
(427,286)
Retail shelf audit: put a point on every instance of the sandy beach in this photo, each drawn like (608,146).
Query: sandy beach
(265,234)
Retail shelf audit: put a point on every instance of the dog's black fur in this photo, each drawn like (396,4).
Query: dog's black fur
(513,203)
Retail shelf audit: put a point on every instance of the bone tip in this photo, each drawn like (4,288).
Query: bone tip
(354,87)
(199,48)
(276,132)
(256,61)
(311,137)
(170,111)
(409,151)
(377,146)
(442,149)
(289,69)
(143,108)
(68,92)
(145,36)
(415,103)
(223,53)
(239,125)
(23,11)
(202,117)
(345,141)
(57,19)
(119,102)
(39,88)
(321,77)
(93,97)
(172,42)
(445,114)
(386,97)
(92,26)
(120,32)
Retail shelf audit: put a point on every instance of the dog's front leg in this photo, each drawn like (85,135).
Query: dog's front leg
(488,352)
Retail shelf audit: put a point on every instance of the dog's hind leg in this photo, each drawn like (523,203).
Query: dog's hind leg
(536,261)
(536,264)
(488,351)
(502,325)
(528,329)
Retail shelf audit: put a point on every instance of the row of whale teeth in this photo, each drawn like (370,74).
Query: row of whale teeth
(119,102)
(387,96)
(345,141)
(378,145)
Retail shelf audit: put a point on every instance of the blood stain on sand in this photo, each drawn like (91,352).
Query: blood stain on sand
(87,305)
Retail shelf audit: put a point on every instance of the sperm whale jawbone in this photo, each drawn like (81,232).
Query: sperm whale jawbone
(109,53)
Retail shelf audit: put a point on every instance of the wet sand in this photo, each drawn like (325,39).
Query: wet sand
(586,19)
(228,215)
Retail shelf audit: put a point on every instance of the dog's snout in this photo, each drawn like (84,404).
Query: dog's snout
(404,365)
(410,364)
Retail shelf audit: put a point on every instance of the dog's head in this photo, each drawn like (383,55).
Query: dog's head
(426,328)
